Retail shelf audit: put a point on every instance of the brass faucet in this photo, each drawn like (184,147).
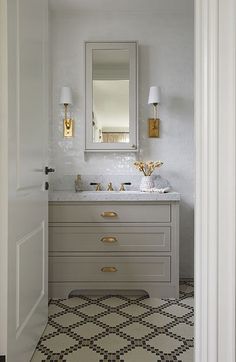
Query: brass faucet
(110,187)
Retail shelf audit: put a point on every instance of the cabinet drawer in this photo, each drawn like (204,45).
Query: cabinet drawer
(136,269)
(110,213)
(111,239)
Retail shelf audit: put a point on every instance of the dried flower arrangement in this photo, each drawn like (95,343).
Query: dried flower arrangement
(147,167)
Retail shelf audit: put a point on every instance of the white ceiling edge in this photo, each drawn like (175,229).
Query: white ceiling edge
(159,6)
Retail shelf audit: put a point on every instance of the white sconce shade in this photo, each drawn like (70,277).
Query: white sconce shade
(154,95)
(66,95)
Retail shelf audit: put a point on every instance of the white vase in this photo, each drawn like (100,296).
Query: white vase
(147,183)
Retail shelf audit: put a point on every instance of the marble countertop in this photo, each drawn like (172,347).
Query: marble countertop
(112,196)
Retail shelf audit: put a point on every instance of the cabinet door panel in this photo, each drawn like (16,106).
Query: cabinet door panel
(110,213)
(137,269)
(102,239)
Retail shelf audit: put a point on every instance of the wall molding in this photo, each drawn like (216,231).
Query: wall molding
(215,39)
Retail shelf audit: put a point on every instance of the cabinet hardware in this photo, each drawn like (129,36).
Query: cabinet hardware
(109,239)
(109,214)
(109,269)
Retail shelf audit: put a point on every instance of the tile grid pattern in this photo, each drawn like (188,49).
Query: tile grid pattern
(119,328)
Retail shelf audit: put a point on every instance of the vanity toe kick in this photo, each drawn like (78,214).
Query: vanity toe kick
(119,246)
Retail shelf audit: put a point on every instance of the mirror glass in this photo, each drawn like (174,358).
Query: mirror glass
(110,77)
(111,96)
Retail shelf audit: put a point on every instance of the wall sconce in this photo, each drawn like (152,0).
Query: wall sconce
(154,123)
(68,123)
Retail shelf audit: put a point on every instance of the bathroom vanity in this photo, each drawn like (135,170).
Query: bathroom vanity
(114,241)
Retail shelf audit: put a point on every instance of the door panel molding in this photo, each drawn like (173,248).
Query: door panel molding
(29,238)
(29,60)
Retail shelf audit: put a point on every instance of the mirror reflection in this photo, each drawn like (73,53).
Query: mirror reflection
(111,78)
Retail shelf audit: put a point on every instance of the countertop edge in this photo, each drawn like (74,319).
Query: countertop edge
(67,196)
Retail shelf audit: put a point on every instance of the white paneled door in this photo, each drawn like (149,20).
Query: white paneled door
(27,34)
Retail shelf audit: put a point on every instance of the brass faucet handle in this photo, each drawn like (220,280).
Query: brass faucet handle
(122,185)
(97,184)
(110,187)
(98,187)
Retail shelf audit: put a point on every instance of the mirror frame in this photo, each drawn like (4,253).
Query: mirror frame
(132,146)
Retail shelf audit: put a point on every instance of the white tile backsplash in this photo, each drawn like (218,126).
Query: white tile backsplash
(67,182)
(166,54)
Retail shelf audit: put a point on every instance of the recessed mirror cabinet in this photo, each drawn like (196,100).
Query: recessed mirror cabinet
(111,96)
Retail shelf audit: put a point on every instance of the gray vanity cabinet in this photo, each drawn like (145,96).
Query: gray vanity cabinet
(114,246)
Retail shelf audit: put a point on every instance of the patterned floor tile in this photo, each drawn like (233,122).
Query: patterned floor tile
(189,301)
(87,330)
(136,330)
(83,355)
(112,343)
(134,310)
(153,302)
(113,301)
(139,354)
(113,319)
(186,287)
(158,320)
(119,329)
(92,310)
(177,310)
(67,319)
(58,343)
(186,356)
(183,330)
(164,343)
(191,319)
(54,309)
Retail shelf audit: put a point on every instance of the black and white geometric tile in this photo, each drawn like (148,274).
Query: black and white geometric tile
(119,328)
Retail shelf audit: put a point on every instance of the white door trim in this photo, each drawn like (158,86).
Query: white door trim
(3,176)
(215,40)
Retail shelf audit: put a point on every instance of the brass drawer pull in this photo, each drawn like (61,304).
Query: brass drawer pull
(109,239)
(109,269)
(109,214)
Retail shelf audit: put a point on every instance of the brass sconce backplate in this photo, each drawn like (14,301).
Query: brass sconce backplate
(153,128)
(68,127)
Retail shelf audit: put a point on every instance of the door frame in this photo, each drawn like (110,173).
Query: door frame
(3,176)
(215,84)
